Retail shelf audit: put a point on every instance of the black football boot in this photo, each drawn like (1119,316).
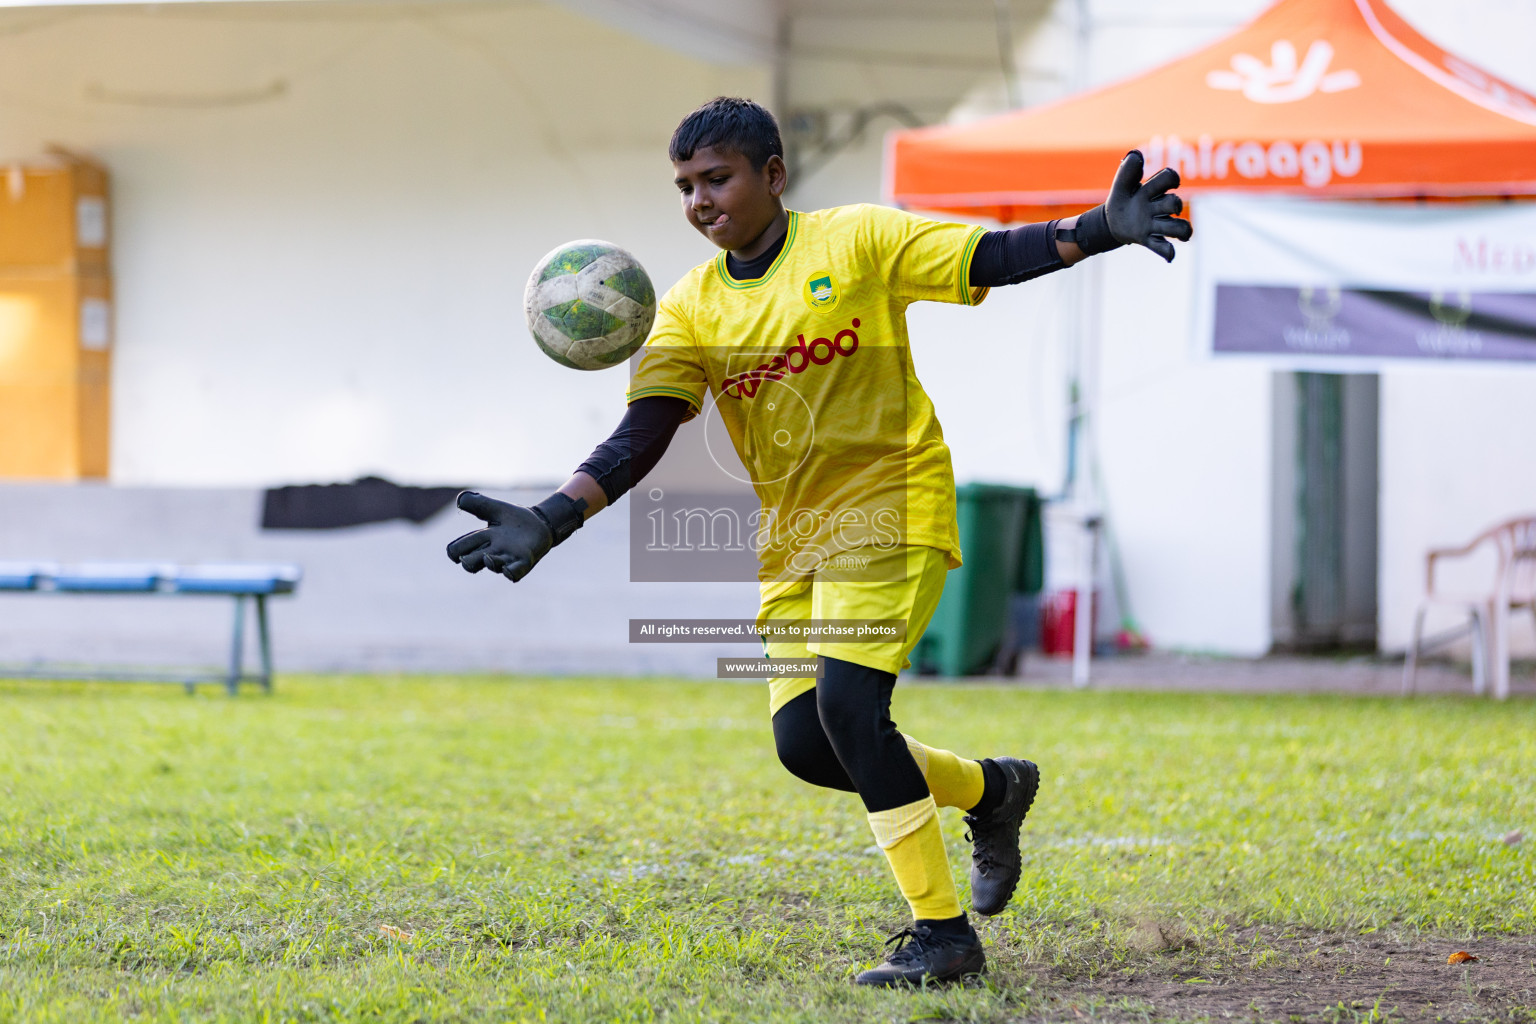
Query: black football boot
(995,860)
(924,956)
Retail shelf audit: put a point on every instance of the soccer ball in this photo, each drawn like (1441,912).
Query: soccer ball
(590,304)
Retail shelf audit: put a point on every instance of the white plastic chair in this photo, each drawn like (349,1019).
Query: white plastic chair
(1513,589)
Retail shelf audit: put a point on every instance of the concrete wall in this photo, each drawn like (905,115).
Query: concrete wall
(1455,458)
(376,597)
(325,216)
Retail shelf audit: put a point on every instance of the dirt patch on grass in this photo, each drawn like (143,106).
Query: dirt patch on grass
(1287,975)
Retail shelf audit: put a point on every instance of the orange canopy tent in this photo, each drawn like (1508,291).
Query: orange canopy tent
(1327,98)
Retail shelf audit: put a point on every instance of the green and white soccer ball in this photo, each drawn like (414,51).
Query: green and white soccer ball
(590,304)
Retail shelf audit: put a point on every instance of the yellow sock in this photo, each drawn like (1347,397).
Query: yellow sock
(913,844)
(953,780)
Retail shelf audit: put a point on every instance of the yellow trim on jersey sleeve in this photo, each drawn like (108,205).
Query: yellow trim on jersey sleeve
(695,402)
(973,296)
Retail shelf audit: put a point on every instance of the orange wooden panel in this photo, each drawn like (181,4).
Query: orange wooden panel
(39,431)
(94,457)
(55,376)
(91,216)
(95,375)
(55,320)
(54,216)
(39,328)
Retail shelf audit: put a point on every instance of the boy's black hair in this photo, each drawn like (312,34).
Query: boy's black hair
(732,124)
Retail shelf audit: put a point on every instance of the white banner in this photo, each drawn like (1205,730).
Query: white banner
(1327,285)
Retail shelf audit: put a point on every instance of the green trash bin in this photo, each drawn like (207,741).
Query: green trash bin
(1000,540)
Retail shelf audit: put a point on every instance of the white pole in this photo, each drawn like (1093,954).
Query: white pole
(1006,55)
(1087,298)
(1082,626)
(1085,495)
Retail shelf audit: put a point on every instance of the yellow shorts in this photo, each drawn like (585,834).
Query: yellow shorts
(911,595)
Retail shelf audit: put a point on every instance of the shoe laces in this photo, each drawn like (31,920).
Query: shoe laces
(982,855)
(909,943)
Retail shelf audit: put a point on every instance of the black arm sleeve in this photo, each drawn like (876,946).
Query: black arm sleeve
(636,445)
(1008,257)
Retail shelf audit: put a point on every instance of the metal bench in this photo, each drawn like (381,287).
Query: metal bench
(247,584)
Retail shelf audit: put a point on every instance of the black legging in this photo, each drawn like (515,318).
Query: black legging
(840,736)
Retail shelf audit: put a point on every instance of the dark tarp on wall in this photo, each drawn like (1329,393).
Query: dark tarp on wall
(368,500)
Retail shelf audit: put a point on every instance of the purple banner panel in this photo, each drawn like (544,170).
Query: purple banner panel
(1368,322)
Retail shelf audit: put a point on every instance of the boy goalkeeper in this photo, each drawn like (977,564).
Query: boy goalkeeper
(847,457)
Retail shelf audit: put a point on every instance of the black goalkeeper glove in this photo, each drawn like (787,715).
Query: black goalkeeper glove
(514,538)
(1134,212)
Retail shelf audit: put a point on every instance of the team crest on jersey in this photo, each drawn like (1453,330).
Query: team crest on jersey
(821,291)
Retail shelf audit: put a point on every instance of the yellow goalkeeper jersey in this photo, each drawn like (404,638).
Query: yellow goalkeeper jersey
(809,370)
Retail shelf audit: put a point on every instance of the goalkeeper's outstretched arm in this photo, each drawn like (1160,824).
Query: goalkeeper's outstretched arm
(516,537)
(1136,213)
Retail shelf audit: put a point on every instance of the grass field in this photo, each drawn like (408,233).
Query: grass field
(589,850)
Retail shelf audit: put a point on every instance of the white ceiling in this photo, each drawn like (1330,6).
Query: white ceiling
(920,53)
